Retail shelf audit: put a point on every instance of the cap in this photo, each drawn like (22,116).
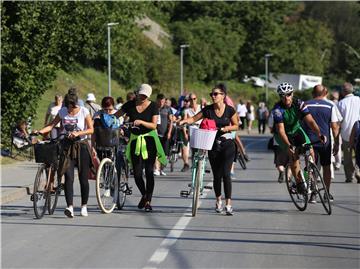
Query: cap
(145,89)
(90,97)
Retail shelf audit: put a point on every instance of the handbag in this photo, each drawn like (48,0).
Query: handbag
(96,163)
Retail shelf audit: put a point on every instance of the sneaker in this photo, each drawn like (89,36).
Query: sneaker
(312,199)
(219,207)
(142,203)
(301,188)
(331,197)
(84,212)
(232,176)
(281,176)
(348,181)
(107,193)
(229,210)
(162,173)
(185,168)
(148,207)
(69,212)
(156,173)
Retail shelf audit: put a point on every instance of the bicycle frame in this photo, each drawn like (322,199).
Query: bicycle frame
(199,155)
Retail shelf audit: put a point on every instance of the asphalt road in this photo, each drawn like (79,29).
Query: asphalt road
(266,231)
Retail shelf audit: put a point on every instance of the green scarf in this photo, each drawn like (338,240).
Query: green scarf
(140,147)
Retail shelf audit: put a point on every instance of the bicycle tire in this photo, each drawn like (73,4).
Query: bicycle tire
(241,159)
(40,192)
(107,186)
(322,191)
(196,190)
(121,198)
(53,196)
(299,200)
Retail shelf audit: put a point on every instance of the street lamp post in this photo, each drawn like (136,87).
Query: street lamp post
(182,47)
(109,25)
(267,56)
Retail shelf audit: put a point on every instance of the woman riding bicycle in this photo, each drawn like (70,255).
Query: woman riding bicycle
(144,144)
(222,154)
(77,123)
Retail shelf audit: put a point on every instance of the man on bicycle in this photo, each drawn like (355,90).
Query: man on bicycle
(287,114)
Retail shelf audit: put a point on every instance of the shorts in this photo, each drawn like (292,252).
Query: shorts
(183,139)
(296,139)
(281,156)
(324,154)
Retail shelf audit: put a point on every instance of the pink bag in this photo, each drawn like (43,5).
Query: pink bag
(208,124)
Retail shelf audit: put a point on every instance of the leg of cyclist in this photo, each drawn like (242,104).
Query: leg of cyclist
(84,177)
(69,189)
(227,153)
(216,163)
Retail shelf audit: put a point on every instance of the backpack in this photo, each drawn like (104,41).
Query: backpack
(109,121)
(208,124)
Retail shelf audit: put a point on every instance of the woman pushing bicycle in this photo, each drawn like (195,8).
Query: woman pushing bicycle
(223,152)
(77,123)
(144,144)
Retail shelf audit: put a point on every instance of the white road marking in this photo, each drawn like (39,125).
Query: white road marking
(162,251)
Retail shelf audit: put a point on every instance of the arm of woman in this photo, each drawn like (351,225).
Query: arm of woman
(88,131)
(150,125)
(50,126)
(234,124)
(191,120)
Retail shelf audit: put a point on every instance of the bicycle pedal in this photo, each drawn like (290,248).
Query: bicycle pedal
(184,194)
(207,171)
(208,187)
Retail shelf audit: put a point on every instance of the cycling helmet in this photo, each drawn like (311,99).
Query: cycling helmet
(284,88)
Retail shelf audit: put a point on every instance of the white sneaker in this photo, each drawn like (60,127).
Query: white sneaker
(218,207)
(229,210)
(84,212)
(156,173)
(162,173)
(69,212)
(107,193)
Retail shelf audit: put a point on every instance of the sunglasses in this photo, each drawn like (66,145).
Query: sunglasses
(287,95)
(215,94)
(193,98)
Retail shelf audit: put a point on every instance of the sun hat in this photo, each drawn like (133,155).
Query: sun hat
(145,89)
(90,97)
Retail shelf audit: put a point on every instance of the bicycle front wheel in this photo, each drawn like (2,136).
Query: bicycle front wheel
(54,190)
(107,185)
(299,199)
(122,189)
(196,187)
(320,188)
(40,191)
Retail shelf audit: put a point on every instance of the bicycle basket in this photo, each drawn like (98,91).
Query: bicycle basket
(46,153)
(202,139)
(106,137)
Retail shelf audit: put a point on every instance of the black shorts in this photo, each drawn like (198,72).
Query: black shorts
(281,156)
(324,154)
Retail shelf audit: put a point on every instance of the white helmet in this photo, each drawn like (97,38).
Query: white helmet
(284,88)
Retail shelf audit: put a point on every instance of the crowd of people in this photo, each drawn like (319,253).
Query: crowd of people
(336,124)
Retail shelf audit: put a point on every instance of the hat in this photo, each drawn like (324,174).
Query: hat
(90,97)
(145,89)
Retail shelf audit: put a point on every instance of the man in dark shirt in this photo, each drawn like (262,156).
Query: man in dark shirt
(164,128)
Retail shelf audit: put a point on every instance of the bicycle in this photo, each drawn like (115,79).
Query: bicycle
(47,184)
(312,177)
(203,141)
(111,187)
(175,148)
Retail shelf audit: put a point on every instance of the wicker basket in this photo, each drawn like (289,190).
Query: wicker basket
(106,137)
(202,139)
(46,153)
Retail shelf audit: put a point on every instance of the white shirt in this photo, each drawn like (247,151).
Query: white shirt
(191,112)
(241,110)
(349,108)
(335,113)
(78,119)
(53,111)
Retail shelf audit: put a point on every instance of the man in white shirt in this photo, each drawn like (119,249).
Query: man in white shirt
(241,110)
(349,108)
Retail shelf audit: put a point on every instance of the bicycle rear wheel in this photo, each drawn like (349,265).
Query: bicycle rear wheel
(107,185)
(40,191)
(54,192)
(300,200)
(320,188)
(241,159)
(121,198)
(196,190)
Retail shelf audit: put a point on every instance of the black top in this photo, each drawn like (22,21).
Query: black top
(130,109)
(225,120)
